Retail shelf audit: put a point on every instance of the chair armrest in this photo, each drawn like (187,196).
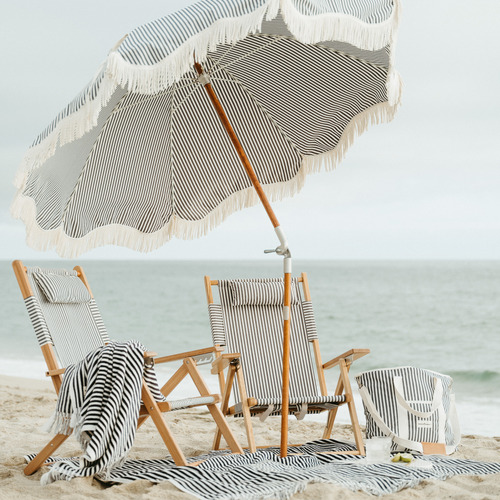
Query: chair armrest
(223,361)
(53,373)
(60,371)
(187,354)
(349,357)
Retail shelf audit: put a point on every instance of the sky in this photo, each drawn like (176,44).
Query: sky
(425,186)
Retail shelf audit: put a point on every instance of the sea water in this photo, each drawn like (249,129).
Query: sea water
(440,315)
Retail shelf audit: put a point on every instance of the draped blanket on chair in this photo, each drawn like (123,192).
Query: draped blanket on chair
(99,401)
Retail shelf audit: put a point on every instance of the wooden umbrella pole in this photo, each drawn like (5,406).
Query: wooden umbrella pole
(205,81)
(286,365)
(239,148)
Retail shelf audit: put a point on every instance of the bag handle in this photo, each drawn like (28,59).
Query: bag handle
(436,399)
(455,426)
(405,443)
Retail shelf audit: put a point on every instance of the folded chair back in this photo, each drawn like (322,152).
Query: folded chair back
(249,320)
(64,314)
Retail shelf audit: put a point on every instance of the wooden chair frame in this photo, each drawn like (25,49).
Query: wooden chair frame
(150,407)
(231,361)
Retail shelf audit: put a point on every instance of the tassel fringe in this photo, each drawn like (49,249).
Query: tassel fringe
(68,129)
(24,207)
(153,79)
(341,27)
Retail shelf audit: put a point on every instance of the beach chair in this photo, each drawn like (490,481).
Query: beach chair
(248,322)
(68,326)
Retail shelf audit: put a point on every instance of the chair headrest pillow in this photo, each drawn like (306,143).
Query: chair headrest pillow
(253,293)
(62,288)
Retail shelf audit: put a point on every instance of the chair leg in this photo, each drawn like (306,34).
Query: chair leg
(246,410)
(225,403)
(49,449)
(217,415)
(333,412)
(161,425)
(222,382)
(344,374)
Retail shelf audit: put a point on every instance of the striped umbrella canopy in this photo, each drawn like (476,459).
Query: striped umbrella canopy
(204,112)
(140,156)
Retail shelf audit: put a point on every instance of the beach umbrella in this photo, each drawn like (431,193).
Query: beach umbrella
(141,155)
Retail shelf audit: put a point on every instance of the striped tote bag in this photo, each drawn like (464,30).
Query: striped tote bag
(413,406)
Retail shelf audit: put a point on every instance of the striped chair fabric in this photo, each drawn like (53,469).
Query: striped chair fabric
(62,288)
(69,329)
(73,328)
(256,331)
(72,325)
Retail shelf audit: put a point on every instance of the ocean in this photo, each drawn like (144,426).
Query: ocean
(440,315)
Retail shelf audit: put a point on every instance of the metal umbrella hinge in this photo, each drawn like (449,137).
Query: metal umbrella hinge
(203,79)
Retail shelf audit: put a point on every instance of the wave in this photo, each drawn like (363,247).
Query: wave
(475,376)
(476,384)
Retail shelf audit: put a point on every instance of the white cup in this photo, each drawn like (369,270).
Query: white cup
(378,449)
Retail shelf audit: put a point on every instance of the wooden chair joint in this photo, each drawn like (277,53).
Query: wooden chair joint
(224,360)
(348,357)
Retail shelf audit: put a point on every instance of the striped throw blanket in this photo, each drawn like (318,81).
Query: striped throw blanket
(264,475)
(99,401)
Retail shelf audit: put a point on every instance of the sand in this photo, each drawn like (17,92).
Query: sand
(27,404)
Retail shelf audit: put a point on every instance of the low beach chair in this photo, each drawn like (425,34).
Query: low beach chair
(248,322)
(68,326)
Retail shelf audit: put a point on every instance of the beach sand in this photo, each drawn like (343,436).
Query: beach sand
(27,404)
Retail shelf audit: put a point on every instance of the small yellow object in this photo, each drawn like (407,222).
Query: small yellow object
(402,457)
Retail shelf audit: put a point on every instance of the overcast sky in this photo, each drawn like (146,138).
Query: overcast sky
(425,186)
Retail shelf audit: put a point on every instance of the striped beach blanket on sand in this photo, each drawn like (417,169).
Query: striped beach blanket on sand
(264,475)
(99,401)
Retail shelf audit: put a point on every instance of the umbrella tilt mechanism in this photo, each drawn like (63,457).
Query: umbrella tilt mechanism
(282,249)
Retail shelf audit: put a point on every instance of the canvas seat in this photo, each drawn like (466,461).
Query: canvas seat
(68,326)
(248,323)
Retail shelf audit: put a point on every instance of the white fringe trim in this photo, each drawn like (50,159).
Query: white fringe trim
(24,207)
(152,79)
(340,27)
(59,423)
(70,128)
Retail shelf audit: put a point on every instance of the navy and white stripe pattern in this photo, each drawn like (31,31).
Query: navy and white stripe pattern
(217,324)
(74,329)
(151,43)
(418,386)
(99,401)
(307,309)
(256,331)
(62,288)
(264,292)
(88,94)
(155,162)
(265,475)
(38,320)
